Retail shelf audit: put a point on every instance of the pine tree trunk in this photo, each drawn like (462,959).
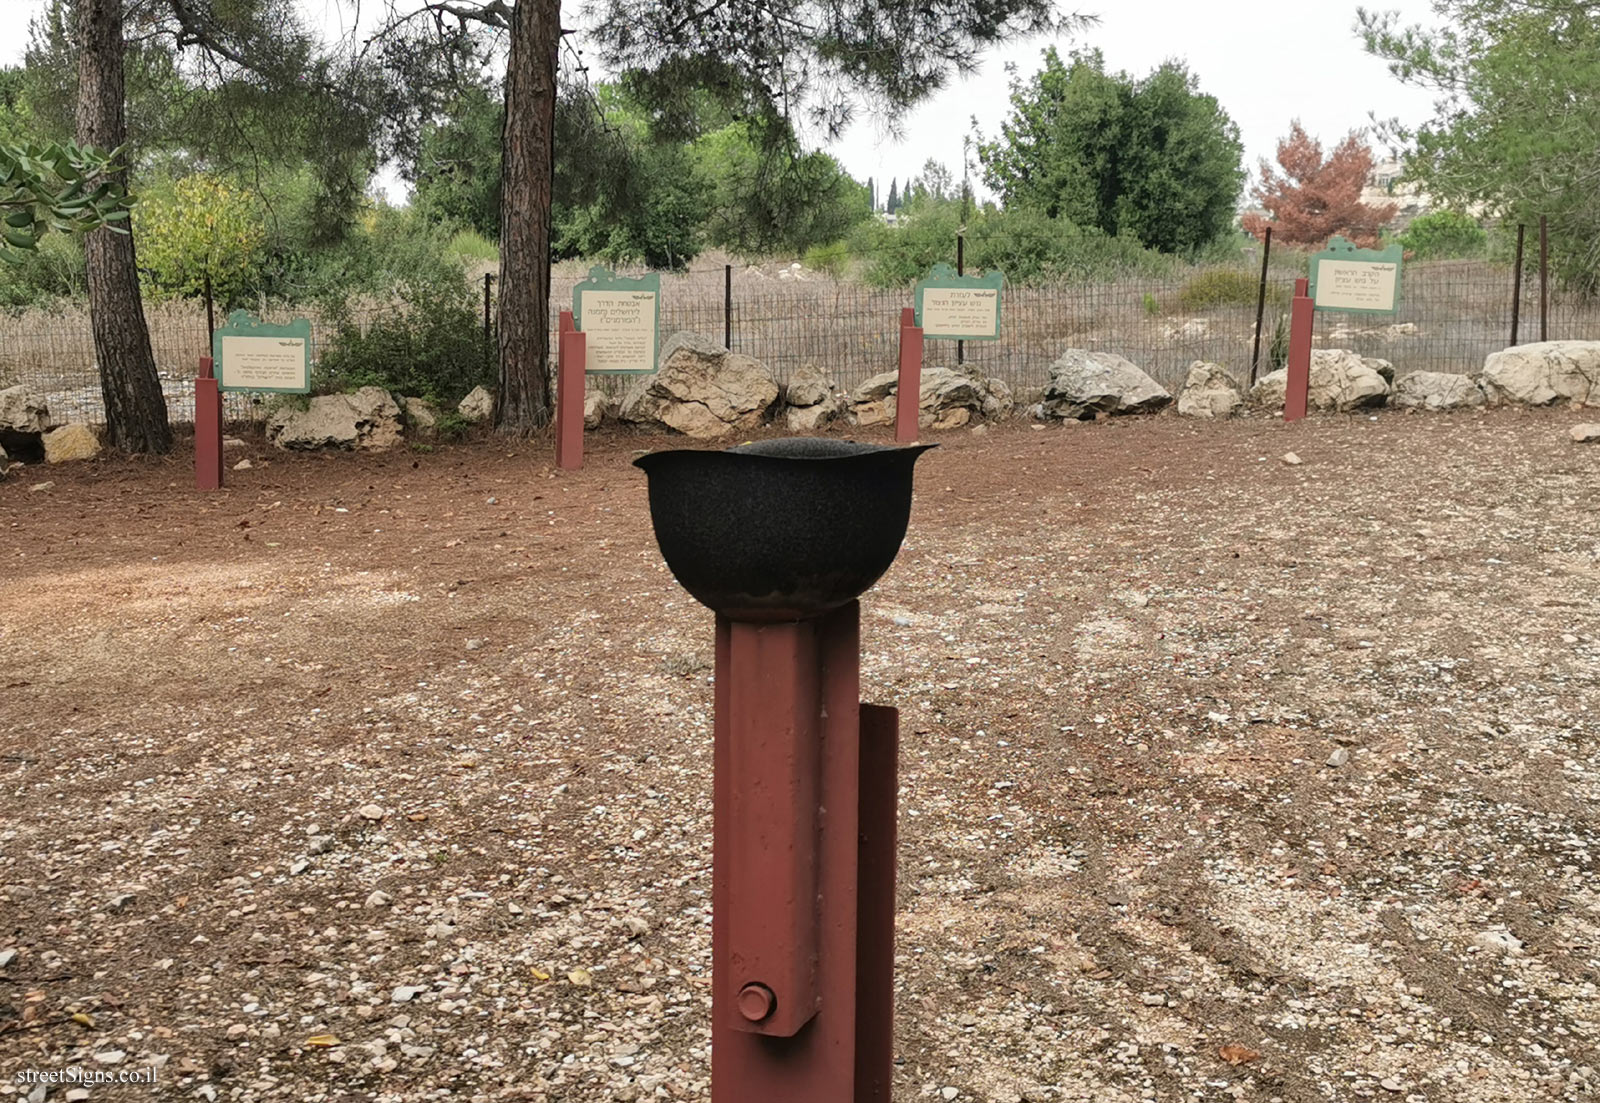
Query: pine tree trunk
(523,400)
(136,414)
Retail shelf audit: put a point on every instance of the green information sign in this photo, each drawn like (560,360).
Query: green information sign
(1364,281)
(621,322)
(250,355)
(959,308)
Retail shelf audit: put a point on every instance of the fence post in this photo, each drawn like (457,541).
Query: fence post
(908,393)
(1261,305)
(1516,284)
(1302,317)
(207,429)
(1544,278)
(488,325)
(571,351)
(727,307)
(961,270)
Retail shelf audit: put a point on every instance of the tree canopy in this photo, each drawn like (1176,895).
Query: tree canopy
(1150,158)
(1315,197)
(62,188)
(1516,131)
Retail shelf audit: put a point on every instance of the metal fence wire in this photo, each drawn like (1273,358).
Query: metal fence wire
(1452,315)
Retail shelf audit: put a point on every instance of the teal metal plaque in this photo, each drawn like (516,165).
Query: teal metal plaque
(250,355)
(959,308)
(621,321)
(1356,281)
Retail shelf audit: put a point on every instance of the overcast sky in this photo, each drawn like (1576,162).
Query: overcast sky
(1266,62)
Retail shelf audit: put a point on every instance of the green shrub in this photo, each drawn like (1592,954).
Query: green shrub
(1444,235)
(435,352)
(472,246)
(832,259)
(1226,287)
(54,270)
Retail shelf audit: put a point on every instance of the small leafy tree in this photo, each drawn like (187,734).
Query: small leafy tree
(204,229)
(55,187)
(1152,157)
(1440,235)
(1316,197)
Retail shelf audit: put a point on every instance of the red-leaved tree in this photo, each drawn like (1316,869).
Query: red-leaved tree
(1316,197)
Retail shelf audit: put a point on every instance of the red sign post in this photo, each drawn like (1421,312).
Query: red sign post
(803,990)
(571,351)
(908,396)
(207,429)
(1302,317)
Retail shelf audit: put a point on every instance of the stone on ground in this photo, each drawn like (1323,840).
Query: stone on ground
(1437,390)
(1544,373)
(1588,433)
(702,390)
(1083,384)
(368,420)
(1209,392)
(23,411)
(597,406)
(70,442)
(478,405)
(1340,380)
(811,400)
(947,398)
(421,416)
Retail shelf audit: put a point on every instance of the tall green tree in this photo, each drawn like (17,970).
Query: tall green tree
(1516,132)
(764,62)
(1150,158)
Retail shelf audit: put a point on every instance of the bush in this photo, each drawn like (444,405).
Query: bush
(1444,235)
(54,270)
(435,352)
(832,259)
(1227,287)
(472,246)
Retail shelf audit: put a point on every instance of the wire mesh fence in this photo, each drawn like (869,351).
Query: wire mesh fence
(1452,315)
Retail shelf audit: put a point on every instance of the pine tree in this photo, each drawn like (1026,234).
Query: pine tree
(1317,197)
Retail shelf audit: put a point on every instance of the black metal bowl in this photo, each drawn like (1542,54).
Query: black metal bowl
(780,530)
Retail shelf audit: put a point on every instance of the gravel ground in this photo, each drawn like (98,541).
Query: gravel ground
(387,778)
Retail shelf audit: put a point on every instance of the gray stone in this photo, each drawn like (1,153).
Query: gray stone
(702,390)
(7,957)
(243,465)
(1544,373)
(812,400)
(597,406)
(1340,380)
(477,406)
(1209,392)
(421,417)
(947,398)
(5,462)
(1437,390)
(23,411)
(1083,384)
(368,420)
(808,387)
(1585,434)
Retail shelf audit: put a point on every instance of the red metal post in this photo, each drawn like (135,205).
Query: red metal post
(571,353)
(788,719)
(875,881)
(1302,316)
(207,429)
(908,399)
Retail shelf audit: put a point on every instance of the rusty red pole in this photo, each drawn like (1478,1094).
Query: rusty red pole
(802,867)
(207,429)
(1302,316)
(908,397)
(571,353)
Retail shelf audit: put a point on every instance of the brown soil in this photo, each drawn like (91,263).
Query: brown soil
(1123,652)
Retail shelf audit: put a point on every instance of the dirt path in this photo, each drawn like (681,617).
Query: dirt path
(1124,654)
